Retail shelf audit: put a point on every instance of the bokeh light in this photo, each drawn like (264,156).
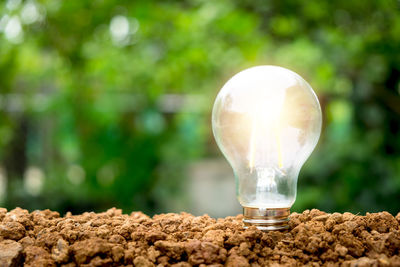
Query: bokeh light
(108,103)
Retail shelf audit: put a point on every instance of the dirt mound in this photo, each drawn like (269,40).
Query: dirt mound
(43,238)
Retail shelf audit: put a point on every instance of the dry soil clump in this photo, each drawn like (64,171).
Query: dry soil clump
(43,238)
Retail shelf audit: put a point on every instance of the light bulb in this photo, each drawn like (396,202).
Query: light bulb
(266,120)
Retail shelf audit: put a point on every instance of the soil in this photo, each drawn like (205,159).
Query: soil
(111,238)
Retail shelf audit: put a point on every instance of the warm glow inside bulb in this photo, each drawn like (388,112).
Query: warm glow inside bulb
(266,121)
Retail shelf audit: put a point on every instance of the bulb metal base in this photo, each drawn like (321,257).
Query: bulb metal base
(266,219)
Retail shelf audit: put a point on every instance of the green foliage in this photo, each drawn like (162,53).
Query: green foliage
(90,94)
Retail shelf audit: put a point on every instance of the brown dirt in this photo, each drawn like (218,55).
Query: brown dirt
(43,238)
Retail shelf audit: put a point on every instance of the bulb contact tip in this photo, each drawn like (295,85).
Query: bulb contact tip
(266,219)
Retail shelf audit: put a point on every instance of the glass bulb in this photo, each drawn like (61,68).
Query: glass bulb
(266,120)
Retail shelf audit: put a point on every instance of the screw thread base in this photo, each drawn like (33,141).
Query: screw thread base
(266,219)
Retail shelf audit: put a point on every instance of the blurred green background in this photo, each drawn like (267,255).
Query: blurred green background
(107,103)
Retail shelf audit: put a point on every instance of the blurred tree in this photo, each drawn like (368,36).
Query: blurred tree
(111,99)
